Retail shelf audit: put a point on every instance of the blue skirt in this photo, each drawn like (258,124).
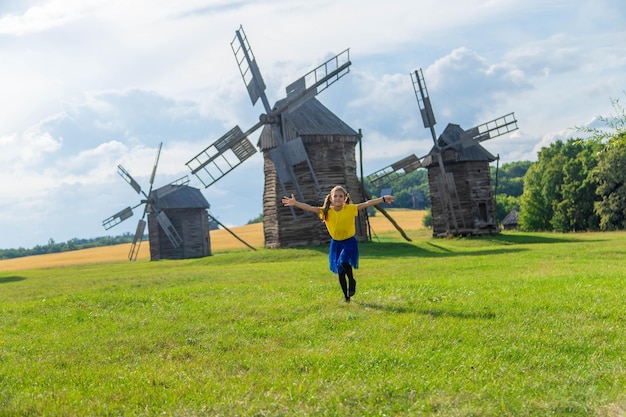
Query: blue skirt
(343,251)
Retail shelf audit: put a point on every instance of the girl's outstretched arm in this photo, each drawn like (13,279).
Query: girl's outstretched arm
(291,201)
(375,201)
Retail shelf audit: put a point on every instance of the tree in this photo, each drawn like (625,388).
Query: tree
(541,188)
(575,211)
(610,177)
(558,192)
(257,219)
(509,186)
(535,211)
(510,179)
(609,174)
(504,205)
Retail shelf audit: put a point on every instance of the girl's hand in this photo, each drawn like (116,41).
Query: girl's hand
(289,201)
(389,198)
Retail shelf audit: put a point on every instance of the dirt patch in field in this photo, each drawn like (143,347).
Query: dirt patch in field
(220,240)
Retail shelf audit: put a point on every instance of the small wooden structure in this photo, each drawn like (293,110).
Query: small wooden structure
(330,146)
(511,221)
(186,207)
(473,207)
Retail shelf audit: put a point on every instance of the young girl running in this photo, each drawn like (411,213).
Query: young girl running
(338,214)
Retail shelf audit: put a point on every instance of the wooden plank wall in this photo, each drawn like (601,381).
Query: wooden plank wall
(334,162)
(193,227)
(473,186)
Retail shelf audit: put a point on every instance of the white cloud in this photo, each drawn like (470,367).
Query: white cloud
(23,152)
(43,17)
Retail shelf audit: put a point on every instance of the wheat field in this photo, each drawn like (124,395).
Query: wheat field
(221,240)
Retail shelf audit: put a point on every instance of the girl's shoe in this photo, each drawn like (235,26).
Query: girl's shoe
(352,291)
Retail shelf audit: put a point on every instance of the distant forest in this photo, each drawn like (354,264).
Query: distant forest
(70,245)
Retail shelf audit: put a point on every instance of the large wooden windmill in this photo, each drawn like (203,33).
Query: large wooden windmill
(462,200)
(178,225)
(306,148)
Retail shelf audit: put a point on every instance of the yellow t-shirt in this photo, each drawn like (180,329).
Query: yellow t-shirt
(340,224)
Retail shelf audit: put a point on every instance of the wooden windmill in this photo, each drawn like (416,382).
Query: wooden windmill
(178,225)
(307,149)
(462,201)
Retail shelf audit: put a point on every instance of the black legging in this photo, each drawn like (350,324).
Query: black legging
(347,270)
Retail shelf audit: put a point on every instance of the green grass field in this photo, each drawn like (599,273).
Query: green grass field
(509,325)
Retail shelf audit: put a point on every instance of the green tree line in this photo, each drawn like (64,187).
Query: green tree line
(70,245)
(579,184)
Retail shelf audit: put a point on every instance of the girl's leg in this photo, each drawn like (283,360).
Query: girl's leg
(344,285)
(352,282)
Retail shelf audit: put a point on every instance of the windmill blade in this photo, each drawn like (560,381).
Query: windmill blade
(285,157)
(137,239)
(117,218)
(232,233)
(249,69)
(470,137)
(316,81)
(448,193)
(170,188)
(156,162)
(423,100)
(154,168)
(184,180)
(494,128)
(124,174)
(445,185)
(169,229)
(394,171)
(222,156)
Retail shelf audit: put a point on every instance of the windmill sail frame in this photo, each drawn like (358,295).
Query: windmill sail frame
(465,142)
(150,202)
(212,164)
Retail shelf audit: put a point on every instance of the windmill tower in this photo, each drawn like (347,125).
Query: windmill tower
(462,201)
(306,149)
(178,225)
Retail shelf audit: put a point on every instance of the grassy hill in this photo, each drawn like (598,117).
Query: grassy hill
(516,324)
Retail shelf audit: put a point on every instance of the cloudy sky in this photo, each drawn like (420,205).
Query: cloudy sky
(88,84)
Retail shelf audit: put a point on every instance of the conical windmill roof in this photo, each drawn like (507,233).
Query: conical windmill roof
(465,149)
(311,118)
(173,196)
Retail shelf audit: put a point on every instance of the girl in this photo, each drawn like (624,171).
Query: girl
(338,214)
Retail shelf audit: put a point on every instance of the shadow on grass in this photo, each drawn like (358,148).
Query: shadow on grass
(485,315)
(387,249)
(527,239)
(432,248)
(6,280)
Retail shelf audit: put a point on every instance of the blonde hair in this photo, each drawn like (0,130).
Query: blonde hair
(326,206)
